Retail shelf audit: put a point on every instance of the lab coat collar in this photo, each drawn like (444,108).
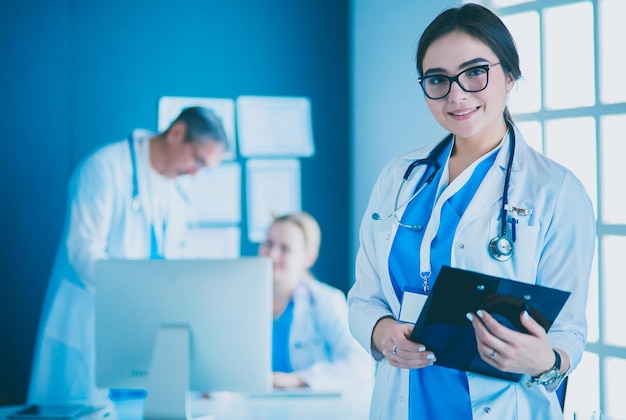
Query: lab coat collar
(490,191)
(519,159)
(503,155)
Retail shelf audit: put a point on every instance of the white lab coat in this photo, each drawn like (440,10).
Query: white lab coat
(100,225)
(554,247)
(321,349)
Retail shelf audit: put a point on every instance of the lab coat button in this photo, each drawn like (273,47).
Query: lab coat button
(461,246)
(388,236)
(487,410)
(402,398)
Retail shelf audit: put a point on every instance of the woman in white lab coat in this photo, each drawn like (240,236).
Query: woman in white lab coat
(312,345)
(468,63)
(124,202)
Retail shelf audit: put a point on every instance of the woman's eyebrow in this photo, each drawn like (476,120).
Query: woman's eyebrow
(438,70)
(473,61)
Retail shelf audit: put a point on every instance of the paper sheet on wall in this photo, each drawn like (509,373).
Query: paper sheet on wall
(171,106)
(217,242)
(214,194)
(273,190)
(274,126)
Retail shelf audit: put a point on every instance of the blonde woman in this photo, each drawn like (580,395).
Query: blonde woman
(312,345)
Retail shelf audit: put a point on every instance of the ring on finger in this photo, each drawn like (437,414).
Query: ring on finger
(492,356)
(394,349)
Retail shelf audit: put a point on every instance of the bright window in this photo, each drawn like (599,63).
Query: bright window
(571,106)
(568,56)
(572,143)
(612,33)
(526,96)
(613,170)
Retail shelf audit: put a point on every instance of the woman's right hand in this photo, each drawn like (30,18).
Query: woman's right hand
(391,338)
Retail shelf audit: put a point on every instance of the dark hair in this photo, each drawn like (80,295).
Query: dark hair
(202,125)
(479,23)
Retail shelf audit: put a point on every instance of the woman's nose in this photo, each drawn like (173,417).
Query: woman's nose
(456,92)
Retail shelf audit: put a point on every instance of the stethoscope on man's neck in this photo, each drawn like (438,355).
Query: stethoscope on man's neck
(500,247)
(156,251)
(135,204)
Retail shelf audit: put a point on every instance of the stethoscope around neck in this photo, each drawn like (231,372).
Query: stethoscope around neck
(135,203)
(500,247)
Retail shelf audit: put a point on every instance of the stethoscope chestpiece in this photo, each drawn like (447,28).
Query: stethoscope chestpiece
(501,248)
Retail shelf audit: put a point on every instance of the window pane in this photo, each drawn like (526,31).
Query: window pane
(505,3)
(532,134)
(614,290)
(569,56)
(526,96)
(583,386)
(613,150)
(615,371)
(572,143)
(612,32)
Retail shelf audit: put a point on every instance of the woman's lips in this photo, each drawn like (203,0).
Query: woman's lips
(463,114)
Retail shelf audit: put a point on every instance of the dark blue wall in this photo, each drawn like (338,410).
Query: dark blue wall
(76,74)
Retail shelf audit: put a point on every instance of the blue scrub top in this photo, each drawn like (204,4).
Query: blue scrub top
(434,391)
(280,340)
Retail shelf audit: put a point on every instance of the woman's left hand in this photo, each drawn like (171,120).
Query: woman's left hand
(512,351)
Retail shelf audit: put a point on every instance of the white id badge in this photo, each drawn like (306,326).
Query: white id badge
(412,304)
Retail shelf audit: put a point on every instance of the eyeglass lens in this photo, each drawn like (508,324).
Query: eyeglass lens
(473,79)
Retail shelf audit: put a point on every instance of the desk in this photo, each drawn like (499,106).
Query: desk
(241,407)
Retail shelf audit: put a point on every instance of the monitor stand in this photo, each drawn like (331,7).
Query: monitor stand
(168,380)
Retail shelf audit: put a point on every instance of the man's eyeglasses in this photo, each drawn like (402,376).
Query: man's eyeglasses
(474,79)
(198,160)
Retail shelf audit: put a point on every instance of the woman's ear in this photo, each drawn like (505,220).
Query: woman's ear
(510,82)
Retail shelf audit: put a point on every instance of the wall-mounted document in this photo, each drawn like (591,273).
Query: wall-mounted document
(171,106)
(274,126)
(213,242)
(443,327)
(214,194)
(273,189)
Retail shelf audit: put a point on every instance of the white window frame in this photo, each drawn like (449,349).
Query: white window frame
(598,349)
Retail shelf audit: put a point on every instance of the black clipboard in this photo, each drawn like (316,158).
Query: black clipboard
(443,328)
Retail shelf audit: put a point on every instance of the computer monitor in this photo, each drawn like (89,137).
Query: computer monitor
(171,326)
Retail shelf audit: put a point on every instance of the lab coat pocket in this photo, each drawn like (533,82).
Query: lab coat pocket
(526,250)
(380,242)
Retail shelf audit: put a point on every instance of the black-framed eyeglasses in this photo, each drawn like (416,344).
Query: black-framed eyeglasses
(474,79)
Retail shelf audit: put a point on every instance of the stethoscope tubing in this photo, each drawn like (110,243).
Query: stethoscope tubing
(500,247)
(507,179)
(135,204)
